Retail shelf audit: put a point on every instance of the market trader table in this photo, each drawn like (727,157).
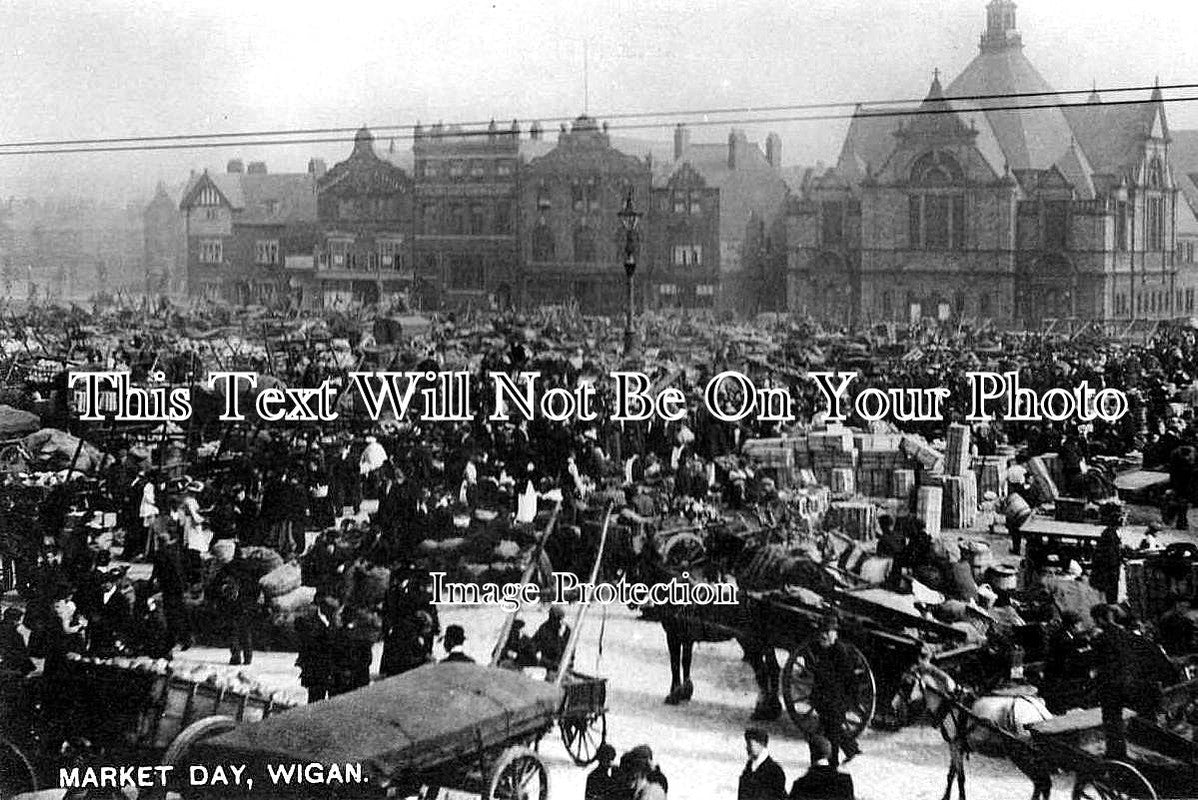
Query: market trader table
(1068,541)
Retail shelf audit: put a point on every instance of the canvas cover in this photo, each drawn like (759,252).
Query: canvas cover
(396,727)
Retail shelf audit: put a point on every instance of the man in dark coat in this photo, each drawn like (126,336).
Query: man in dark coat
(603,782)
(1112,657)
(1181,484)
(315,634)
(14,654)
(762,778)
(237,596)
(453,641)
(172,582)
(110,617)
(834,671)
(1107,566)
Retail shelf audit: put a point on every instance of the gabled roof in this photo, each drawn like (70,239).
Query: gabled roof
(1075,168)
(261,198)
(1112,135)
(1183,159)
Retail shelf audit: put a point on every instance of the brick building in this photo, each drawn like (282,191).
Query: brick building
(465,219)
(364,231)
(745,269)
(571,241)
(968,209)
(242,225)
(682,244)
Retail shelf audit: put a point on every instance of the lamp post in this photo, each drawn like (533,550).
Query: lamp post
(629,217)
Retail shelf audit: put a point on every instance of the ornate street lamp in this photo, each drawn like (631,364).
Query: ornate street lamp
(629,218)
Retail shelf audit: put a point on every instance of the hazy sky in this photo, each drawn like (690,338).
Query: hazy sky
(106,68)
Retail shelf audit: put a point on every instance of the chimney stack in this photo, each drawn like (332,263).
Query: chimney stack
(773,150)
(732,150)
(235,166)
(256,168)
(534,132)
(682,140)
(317,168)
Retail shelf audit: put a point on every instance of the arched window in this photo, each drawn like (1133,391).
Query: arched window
(584,244)
(936,169)
(542,243)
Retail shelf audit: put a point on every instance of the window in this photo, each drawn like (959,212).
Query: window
(420,167)
(1156,223)
(936,221)
(339,252)
(542,243)
(543,201)
(389,250)
(456,169)
(593,195)
(696,206)
(578,196)
(429,218)
(1056,225)
(1121,225)
(984,309)
(457,219)
(503,168)
(1189,299)
(477,170)
(679,202)
(208,197)
(211,213)
(886,303)
(936,169)
(687,255)
(1188,251)
(345,209)
(478,219)
(1156,174)
(266,251)
(667,289)
(503,217)
(431,169)
(211,251)
(705,290)
(584,244)
(832,224)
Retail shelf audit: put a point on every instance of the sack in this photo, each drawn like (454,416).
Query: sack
(280,581)
(294,600)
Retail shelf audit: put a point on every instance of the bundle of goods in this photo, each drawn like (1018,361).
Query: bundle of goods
(841,482)
(1154,581)
(992,474)
(956,457)
(928,503)
(777,453)
(877,463)
(281,580)
(261,560)
(1042,479)
(918,448)
(365,587)
(902,483)
(298,598)
(858,521)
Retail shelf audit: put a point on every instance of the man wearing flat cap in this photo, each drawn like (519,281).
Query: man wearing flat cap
(834,670)
(763,778)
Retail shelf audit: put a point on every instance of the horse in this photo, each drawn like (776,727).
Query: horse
(957,714)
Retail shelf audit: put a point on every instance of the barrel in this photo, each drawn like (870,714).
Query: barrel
(1003,576)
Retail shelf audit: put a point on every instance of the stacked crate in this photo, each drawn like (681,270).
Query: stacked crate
(917,447)
(880,456)
(841,482)
(960,497)
(857,520)
(831,450)
(775,456)
(956,457)
(928,502)
(902,483)
(992,474)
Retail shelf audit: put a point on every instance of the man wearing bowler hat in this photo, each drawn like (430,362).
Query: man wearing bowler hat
(454,639)
(833,668)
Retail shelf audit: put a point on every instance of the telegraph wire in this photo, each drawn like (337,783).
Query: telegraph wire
(205,141)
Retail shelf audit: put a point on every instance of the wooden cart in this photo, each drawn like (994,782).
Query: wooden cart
(1162,750)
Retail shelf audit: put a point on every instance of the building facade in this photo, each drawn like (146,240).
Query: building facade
(364,241)
(465,225)
(165,245)
(973,210)
(241,226)
(571,241)
(682,245)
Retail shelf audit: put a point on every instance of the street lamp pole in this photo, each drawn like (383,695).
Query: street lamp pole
(629,218)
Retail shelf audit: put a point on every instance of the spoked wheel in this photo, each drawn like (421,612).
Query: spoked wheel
(1113,780)
(519,774)
(582,737)
(179,750)
(683,550)
(798,679)
(17,775)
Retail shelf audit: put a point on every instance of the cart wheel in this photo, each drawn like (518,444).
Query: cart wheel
(1113,780)
(17,774)
(179,749)
(683,550)
(519,774)
(797,680)
(582,737)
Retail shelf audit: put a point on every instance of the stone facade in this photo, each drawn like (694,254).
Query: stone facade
(955,210)
(165,245)
(682,243)
(571,241)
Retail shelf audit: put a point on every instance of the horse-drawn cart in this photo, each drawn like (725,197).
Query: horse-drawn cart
(1162,750)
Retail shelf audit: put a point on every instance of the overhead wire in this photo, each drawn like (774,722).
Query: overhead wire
(859,110)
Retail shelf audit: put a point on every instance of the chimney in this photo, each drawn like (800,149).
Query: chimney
(773,150)
(534,133)
(682,140)
(418,131)
(732,150)
(256,168)
(317,168)
(235,166)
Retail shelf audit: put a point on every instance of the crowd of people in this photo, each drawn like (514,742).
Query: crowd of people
(355,500)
